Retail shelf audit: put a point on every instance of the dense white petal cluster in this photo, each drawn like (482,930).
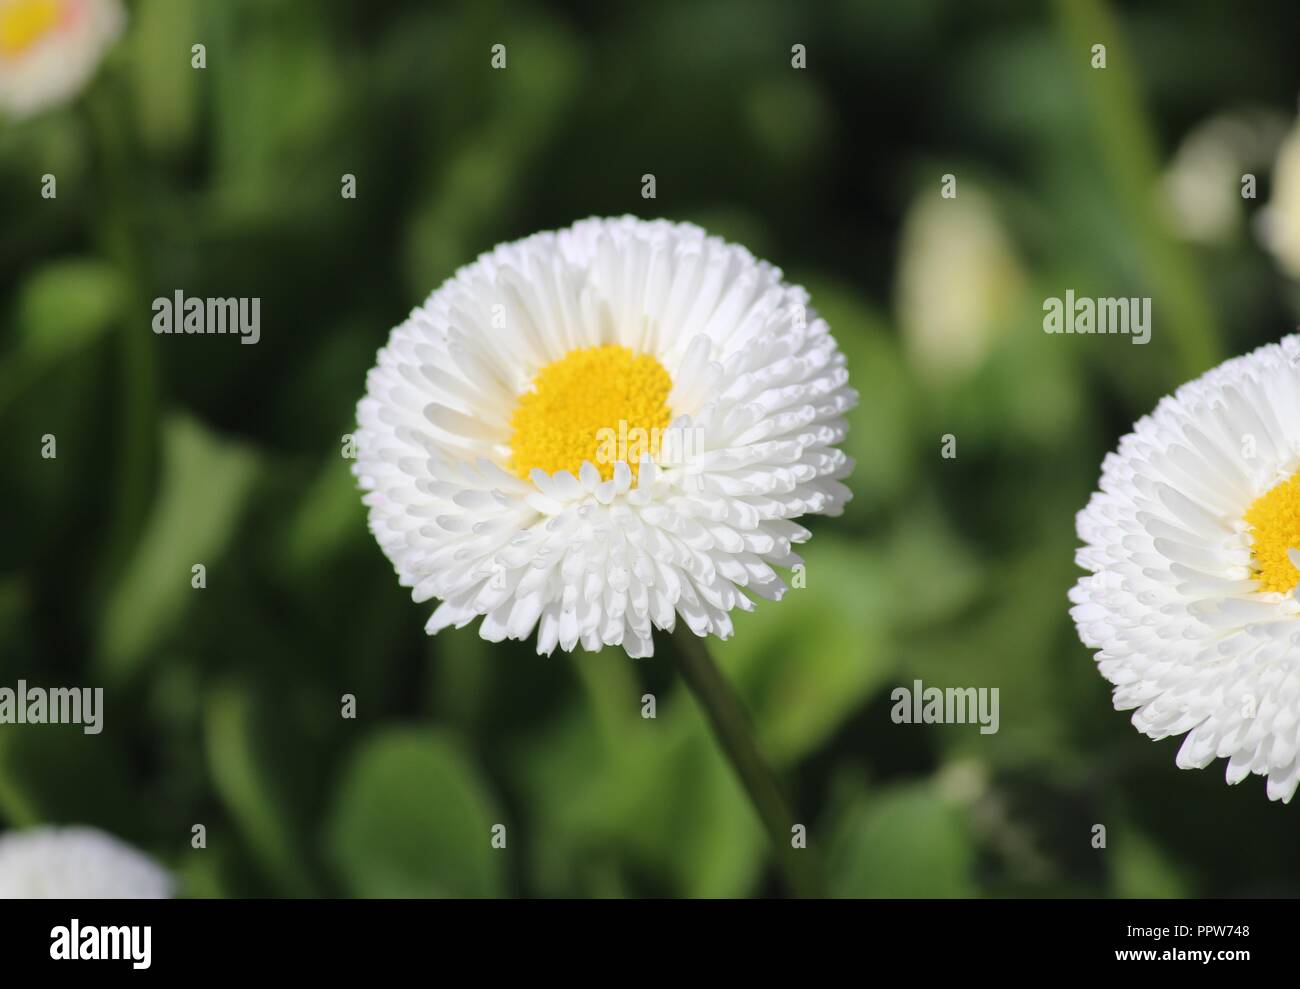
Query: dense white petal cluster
(759,394)
(76,863)
(1173,602)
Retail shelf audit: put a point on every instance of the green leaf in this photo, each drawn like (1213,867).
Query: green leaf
(164,82)
(329,515)
(413,818)
(200,876)
(57,774)
(1140,867)
(272,156)
(1126,146)
(205,483)
(805,663)
(934,572)
(881,436)
(65,306)
(711,839)
(1018,639)
(486,158)
(904,842)
(656,807)
(243,755)
(1027,395)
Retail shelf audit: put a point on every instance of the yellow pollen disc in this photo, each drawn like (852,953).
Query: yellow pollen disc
(602,404)
(1274,520)
(25,22)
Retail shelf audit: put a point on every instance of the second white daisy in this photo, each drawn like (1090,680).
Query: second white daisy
(595,432)
(1192,545)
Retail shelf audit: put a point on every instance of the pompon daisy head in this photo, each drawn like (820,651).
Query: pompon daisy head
(1192,545)
(50,48)
(600,431)
(76,864)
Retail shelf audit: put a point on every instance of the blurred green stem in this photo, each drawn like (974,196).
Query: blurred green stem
(1127,147)
(608,683)
(734,733)
(137,446)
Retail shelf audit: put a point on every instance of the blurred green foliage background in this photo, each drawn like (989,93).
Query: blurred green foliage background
(223,704)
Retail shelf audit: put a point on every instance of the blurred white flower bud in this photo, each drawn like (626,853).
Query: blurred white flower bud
(959,283)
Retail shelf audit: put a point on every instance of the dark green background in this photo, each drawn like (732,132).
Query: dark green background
(223,704)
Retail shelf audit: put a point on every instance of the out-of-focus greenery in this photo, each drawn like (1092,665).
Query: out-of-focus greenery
(223,704)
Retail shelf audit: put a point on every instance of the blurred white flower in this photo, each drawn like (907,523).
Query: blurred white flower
(1203,183)
(50,48)
(959,283)
(1280,223)
(492,442)
(76,863)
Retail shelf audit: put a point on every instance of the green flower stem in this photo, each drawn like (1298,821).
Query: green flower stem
(732,729)
(138,438)
(1128,152)
(608,685)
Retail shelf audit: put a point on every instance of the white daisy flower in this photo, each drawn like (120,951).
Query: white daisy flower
(76,863)
(594,431)
(1192,546)
(50,48)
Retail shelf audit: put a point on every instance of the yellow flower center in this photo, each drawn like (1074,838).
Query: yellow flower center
(1274,520)
(602,404)
(25,22)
